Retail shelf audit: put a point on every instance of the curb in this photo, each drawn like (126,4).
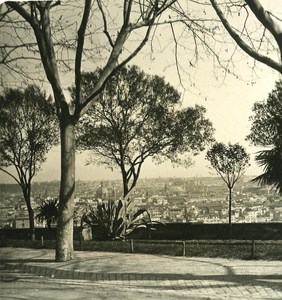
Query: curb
(47,271)
(76,274)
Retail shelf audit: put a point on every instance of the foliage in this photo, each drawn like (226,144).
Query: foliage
(266,130)
(139,116)
(118,218)
(48,211)
(61,37)
(65,37)
(271,162)
(28,129)
(229,161)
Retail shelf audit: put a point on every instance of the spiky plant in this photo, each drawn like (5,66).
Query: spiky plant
(118,218)
(48,211)
(271,161)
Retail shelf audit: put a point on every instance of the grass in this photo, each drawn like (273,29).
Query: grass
(267,250)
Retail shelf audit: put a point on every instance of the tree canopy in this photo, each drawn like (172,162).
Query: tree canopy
(139,116)
(28,129)
(266,130)
(230,162)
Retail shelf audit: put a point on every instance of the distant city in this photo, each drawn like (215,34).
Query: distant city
(181,200)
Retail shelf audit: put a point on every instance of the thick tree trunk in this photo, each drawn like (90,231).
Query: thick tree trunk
(64,247)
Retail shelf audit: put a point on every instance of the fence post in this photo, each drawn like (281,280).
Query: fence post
(80,240)
(184,249)
(42,241)
(131,246)
(253,250)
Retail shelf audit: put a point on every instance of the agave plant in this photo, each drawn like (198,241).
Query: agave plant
(141,219)
(48,211)
(118,218)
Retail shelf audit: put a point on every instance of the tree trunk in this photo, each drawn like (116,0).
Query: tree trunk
(64,247)
(124,181)
(229,212)
(26,192)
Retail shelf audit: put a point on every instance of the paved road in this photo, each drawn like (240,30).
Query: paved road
(96,275)
(20,286)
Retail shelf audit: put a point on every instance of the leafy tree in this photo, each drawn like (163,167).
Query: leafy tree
(62,37)
(48,211)
(137,117)
(229,161)
(28,130)
(266,131)
(66,37)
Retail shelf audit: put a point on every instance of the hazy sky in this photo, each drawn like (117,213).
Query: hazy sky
(228,102)
(228,107)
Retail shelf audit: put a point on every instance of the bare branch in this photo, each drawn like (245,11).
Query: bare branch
(176,55)
(266,20)
(10,174)
(105,23)
(79,49)
(243,45)
(21,11)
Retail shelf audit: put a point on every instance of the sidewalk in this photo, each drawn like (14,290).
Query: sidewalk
(179,277)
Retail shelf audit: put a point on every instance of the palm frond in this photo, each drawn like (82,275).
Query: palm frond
(271,161)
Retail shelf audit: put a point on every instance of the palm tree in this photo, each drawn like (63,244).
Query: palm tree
(266,130)
(271,161)
(48,211)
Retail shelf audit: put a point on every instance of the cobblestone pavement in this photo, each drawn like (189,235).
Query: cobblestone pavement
(118,275)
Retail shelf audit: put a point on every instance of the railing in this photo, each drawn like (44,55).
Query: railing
(251,244)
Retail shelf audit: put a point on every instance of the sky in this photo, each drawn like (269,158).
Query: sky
(229,106)
(228,102)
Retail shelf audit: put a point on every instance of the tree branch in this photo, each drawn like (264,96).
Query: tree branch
(244,46)
(105,23)
(79,50)
(10,174)
(21,11)
(266,20)
(107,72)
